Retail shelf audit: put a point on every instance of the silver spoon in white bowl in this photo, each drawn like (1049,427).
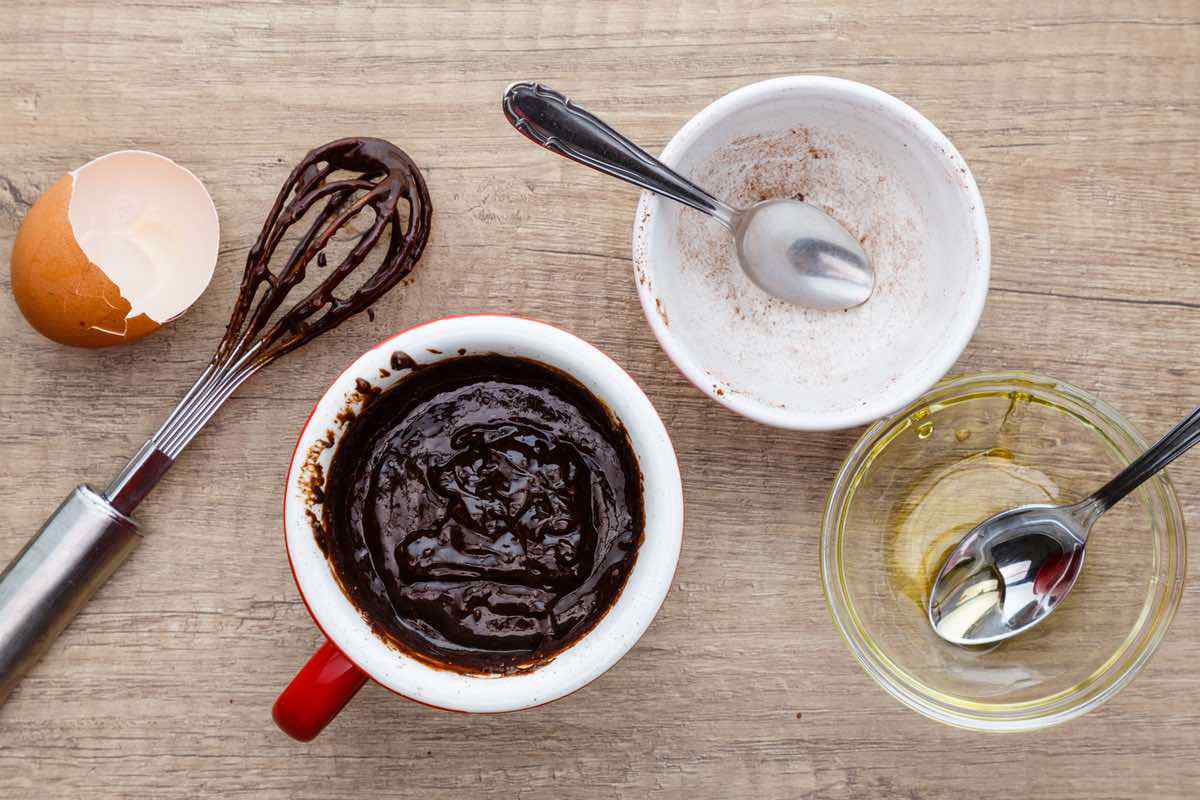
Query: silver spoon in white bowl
(789,248)
(1014,568)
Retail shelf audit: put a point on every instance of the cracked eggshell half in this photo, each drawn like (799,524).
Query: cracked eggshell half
(114,250)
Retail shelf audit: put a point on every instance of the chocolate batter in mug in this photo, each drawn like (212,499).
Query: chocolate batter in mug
(538,488)
(483,513)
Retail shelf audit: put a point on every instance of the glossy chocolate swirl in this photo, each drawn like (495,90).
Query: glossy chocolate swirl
(484,513)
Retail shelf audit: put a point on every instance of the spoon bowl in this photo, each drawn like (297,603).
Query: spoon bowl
(1008,573)
(796,252)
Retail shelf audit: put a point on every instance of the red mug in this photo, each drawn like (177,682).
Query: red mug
(352,652)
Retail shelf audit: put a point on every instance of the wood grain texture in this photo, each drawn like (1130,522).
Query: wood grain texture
(1081,121)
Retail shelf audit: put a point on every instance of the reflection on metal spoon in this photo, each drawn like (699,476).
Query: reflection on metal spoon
(1013,569)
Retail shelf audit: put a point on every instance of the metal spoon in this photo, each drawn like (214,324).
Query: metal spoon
(790,249)
(1013,569)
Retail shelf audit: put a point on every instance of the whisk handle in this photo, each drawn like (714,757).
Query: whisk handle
(76,551)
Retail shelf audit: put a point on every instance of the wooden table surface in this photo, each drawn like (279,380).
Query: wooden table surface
(1080,121)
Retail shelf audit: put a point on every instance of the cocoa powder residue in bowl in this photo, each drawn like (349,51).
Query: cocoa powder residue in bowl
(740,328)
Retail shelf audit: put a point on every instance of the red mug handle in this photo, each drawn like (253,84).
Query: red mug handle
(319,691)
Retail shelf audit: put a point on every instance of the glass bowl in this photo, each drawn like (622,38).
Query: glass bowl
(918,480)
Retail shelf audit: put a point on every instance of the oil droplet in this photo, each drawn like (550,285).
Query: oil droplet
(1018,401)
(962,434)
(920,421)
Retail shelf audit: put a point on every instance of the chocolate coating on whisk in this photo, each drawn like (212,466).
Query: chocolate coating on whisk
(384,191)
(382,180)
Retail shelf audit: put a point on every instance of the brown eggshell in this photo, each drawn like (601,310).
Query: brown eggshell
(62,294)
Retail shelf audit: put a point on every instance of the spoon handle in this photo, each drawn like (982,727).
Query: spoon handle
(550,120)
(1175,443)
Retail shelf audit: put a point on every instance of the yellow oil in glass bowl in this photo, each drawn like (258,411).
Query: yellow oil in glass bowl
(921,479)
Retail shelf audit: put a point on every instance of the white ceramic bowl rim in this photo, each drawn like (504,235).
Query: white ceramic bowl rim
(875,407)
(647,584)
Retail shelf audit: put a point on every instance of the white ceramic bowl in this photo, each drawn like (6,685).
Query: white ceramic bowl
(883,171)
(647,584)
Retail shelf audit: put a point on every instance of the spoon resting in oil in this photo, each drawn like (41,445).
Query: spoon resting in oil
(1013,569)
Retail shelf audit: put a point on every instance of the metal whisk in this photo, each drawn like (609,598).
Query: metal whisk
(382,202)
